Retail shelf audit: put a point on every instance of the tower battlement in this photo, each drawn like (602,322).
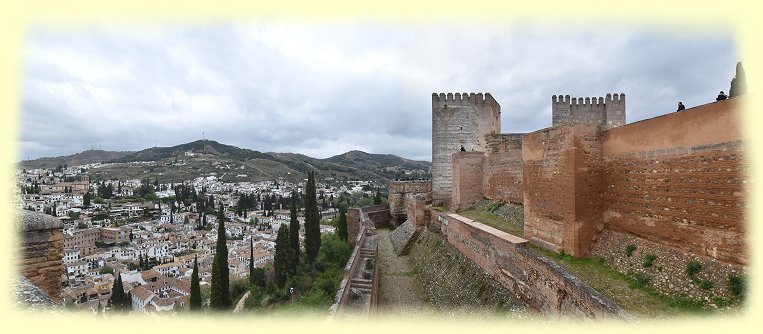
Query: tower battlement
(463,99)
(608,111)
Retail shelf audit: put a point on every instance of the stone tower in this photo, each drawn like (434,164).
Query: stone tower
(458,120)
(609,111)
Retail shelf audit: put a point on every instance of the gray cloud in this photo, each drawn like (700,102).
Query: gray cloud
(324,88)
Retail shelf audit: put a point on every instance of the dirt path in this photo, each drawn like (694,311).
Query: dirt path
(241,302)
(399,291)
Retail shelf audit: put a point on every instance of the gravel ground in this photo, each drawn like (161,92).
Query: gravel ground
(399,292)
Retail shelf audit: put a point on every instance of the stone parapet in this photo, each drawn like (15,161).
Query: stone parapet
(41,251)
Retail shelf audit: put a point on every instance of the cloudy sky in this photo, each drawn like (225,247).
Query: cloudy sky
(322,89)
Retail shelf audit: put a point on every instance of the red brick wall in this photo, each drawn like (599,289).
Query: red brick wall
(681,186)
(561,184)
(502,177)
(353,224)
(467,179)
(417,211)
(537,281)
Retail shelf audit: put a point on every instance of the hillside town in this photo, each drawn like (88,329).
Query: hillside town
(150,232)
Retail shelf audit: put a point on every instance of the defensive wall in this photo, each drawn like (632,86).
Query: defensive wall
(458,120)
(535,280)
(358,290)
(42,251)
(672,186)
(399,191)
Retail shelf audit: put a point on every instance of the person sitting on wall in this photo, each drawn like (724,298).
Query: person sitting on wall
(680,106)
(463,149)
(721,96)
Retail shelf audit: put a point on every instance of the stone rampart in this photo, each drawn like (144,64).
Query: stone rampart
(678,180)
(398,193)
(537,281)
(42,251)
(562,171)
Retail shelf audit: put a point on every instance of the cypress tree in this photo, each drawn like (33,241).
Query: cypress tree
(312,221)
(220,290)
(127,305)
(294,235)
(739,83)
(194,301)
(117,294)
(341,226)
(281,258)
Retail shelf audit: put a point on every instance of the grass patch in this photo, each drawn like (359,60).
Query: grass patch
(493,220)
(631,292)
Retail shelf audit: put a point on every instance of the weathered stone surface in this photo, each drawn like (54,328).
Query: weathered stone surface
(403,237)
(28,221)
(458,119)
(399,194)
(29,296)
(41,251)
(467,179)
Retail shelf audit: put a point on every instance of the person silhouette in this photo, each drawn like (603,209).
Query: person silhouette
(680,106)
(721,96)
(463,149)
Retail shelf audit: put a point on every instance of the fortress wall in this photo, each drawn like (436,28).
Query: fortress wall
(467,179)
(399,191)
(678,181)
(42,251)
(539,282)
(353,224)
(417,210)
(458,119)
(560,182)
(502,177)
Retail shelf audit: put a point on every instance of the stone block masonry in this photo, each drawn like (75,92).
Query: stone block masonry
(458,120)
(42,251)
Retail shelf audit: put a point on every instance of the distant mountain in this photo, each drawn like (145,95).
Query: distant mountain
(230,163)
(82,158)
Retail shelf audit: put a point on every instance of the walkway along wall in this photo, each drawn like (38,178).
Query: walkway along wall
(358,291)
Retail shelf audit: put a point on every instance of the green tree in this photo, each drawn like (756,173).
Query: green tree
(377,198)
(341,226)
(739,83)
(312,221)
(220,287)
(294,235)
(117,294)
(281,258)
(194,301)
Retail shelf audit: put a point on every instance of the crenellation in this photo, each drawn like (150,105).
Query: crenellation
(608,112)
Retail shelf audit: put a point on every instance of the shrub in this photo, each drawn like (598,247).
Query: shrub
(629,250)
(705,284)
(736,285)
(693,267)
(637,280)
(648,260)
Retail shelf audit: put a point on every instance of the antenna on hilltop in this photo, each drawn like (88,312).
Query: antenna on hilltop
(202,136)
